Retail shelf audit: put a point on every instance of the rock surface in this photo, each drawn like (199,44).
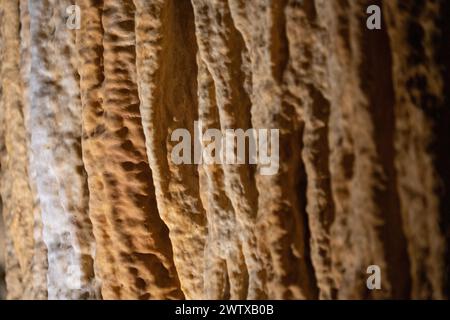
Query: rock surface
(95,207)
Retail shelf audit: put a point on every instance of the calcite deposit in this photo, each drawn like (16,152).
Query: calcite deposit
(95,207)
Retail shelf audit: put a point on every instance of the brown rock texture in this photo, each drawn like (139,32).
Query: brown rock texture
(95,207)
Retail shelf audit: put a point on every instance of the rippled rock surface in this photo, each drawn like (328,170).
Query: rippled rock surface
(94,207)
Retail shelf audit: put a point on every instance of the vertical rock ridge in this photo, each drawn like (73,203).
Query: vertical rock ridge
(376,67)
(362,210)
(308,94)
(215,28)
(55,128)
(89,40)
(125,210)
(419,86)
(27,275)
(225,262)
(266,40)
(40,261)
(166,53)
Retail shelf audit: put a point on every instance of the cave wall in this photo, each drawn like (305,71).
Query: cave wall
(95,207)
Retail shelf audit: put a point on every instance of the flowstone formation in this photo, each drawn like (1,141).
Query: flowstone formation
(94,205)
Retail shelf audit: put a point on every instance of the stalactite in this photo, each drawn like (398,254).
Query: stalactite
(26,270)
(55,133)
